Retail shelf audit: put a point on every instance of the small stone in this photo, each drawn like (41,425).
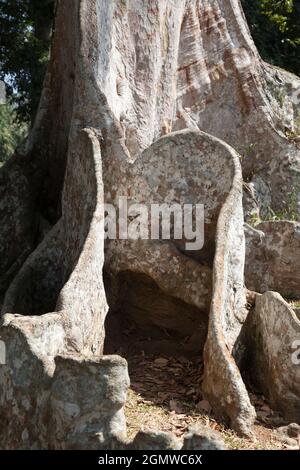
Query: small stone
(202,438)
(155,440)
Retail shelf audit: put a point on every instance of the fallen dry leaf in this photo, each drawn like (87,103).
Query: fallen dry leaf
(161,361)
(174,406)
(204,405)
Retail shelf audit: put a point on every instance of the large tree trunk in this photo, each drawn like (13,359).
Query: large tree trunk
(157,101)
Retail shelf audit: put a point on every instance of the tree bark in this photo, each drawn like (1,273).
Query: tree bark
(157,101)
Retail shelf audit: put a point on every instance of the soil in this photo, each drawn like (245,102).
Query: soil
(165,394)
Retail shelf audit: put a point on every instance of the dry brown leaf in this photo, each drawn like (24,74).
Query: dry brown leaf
(204,405)
(161,361)
(174,406)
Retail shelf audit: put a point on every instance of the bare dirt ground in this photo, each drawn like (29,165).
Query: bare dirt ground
(165,394)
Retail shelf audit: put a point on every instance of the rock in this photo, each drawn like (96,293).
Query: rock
(197,438)
(290,435)
(292,430)
(86,402)
(25,380)
(155,440)
(271,250)
(274,331)
(202,438)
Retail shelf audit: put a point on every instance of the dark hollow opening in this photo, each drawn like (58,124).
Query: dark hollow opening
(161,337)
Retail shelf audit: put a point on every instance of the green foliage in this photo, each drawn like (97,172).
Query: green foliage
(275,26)
(11,132)
(25,27)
